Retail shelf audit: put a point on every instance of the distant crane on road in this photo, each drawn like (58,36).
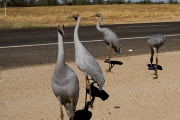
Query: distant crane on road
(86,62)
(155,41)
(64,81)
(109,37)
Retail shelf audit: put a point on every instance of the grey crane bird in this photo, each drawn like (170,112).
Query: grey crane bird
(86,62)
(109,37)
(64,81)
(155,41)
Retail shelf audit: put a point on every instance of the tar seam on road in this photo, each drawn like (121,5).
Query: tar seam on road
(47,44)
(142,26)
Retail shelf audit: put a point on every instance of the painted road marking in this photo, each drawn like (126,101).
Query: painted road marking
(47,44)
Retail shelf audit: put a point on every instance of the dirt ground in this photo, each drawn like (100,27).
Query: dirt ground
(129,93)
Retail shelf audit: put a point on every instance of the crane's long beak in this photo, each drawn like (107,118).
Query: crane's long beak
(60,28)
(94,15)
(69,17)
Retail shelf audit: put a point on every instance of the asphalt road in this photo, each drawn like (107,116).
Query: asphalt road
(27,47)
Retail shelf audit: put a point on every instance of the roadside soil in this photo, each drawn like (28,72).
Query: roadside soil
(129,93)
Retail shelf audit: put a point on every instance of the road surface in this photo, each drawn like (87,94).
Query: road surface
(26,47)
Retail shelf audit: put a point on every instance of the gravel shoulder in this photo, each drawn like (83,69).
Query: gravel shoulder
(25,93)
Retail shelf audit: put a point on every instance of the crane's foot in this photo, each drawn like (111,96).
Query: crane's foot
(152,67)
(156,77)
(71,118)
(108,70)
(87,89)
(90,105)
(107,60)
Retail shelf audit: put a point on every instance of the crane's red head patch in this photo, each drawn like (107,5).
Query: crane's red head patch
(75,16)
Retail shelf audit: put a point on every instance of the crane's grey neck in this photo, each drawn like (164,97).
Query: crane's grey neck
(76,37)
(98,24)
(60,59)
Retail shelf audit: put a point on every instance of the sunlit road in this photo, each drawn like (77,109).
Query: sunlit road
(26,47)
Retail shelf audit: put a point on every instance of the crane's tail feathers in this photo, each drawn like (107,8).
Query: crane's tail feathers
(101,82)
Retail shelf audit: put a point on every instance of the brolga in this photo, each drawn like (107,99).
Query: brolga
(155,41)
(109,37)
(86,62)
(64,81)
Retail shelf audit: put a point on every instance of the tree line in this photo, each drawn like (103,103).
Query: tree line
(33,3)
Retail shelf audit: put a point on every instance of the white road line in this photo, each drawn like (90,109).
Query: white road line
(142,26)
(19,46)
(47,44)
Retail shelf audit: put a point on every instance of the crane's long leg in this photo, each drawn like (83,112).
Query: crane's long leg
(156,52)
(88,86)
(109,54)
(61,111)
(109,58)
(72,110)
(86,92)
(90,92)
(156,64)
(151,58)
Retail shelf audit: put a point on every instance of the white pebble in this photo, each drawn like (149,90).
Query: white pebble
(130,50)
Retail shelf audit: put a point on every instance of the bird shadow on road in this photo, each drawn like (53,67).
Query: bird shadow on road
(112,63)
(153,67)
(83,114)
(95,92)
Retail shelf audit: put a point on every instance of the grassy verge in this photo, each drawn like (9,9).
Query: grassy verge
(30,17)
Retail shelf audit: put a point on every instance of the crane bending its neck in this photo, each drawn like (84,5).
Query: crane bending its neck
(98,24)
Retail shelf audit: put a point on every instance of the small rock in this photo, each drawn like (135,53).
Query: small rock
(116,106)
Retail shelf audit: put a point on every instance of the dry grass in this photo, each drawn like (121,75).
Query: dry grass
(113,14)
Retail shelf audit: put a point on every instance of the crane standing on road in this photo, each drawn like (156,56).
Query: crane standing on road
(86,62)
(155,41)
(65,84)
(109,37)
